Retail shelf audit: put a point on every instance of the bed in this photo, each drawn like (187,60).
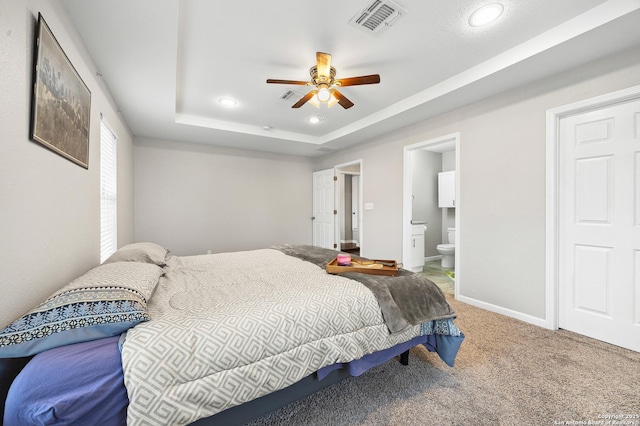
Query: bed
(148,338)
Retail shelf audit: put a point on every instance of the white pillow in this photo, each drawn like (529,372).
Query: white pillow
(140,252)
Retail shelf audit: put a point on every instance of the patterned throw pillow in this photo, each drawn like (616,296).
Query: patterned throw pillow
(139,252)
(106,301)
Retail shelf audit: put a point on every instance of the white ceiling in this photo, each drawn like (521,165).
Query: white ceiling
(167,62)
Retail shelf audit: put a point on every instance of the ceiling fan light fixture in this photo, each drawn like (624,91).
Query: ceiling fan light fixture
(324,95)
(314,99)
(323,78)
(319,104)
(486,14)
(332,100)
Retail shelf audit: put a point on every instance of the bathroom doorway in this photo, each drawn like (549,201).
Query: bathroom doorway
(423,162)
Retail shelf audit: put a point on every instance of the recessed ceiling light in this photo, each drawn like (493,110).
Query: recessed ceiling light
(228,102)
(315,119)
(486,14)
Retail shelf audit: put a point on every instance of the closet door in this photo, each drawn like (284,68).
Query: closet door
(599,224)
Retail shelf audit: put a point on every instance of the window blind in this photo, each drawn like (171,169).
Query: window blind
(108,192)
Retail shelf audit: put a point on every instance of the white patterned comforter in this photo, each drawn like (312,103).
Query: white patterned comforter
(228,328)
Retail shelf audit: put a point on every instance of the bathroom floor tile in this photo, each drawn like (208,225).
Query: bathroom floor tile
(438,275)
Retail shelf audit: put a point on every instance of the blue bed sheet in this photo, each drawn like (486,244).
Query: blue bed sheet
(445,346)
(79,384)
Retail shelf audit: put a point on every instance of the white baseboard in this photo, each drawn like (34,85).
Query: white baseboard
(540,322)
(432,258)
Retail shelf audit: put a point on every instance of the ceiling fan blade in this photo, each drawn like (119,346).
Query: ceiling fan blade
(303,100)
(355,81)
(296,82)
(323,62)
(342,100)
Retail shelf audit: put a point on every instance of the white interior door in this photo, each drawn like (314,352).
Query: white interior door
(323,209)
(599,224)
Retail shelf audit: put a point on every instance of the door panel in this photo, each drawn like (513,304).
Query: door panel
(594,181)
(599,226)
(636,282)
(592,266)
(323,207)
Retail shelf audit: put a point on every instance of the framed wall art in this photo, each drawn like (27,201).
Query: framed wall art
(61,102)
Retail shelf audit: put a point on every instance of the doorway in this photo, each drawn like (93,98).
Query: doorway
(440,219)
(348,206)
(594,220)
(337,207)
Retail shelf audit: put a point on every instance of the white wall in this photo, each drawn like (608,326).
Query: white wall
(502,183)
(193,197)
(49,206)
(448,214)
(425,168)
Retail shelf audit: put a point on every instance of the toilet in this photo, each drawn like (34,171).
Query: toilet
(448,250)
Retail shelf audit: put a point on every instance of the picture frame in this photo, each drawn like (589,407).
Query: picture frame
(60,102)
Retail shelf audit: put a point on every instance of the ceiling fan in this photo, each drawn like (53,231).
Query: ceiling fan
(323,77)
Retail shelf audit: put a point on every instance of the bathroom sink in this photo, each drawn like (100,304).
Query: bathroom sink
(418,229)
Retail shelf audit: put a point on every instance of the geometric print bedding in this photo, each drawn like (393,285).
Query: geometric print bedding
(106,301)
(228,328)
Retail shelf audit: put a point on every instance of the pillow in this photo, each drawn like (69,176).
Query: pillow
(140,252)
(106,301)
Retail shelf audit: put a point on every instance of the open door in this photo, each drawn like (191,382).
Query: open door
(323,209)
(355,208)
(348,205)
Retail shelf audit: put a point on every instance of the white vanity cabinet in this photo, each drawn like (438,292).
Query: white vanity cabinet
(417,247)
(447,189)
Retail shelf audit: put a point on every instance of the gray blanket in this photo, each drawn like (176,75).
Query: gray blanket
(405,300)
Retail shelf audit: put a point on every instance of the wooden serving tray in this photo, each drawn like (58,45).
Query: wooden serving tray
(364,266)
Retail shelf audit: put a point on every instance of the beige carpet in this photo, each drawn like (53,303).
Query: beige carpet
(507,373)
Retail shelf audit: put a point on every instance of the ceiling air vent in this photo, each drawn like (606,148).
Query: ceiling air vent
(290,95)
(377,16)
